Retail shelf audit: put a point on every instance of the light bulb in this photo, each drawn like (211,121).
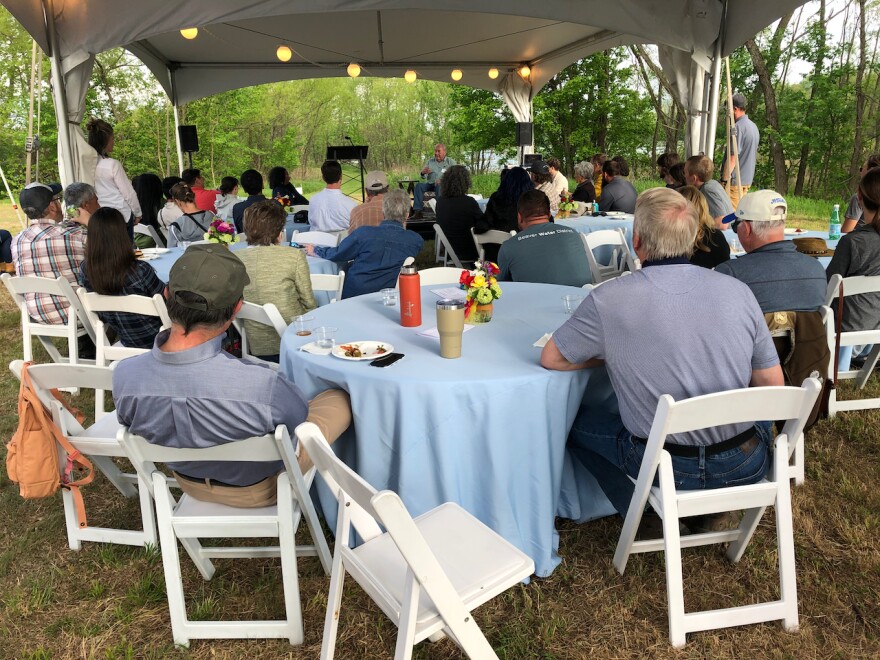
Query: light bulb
(283,53)
(189,33)
(410,76)
(493,73)
(525,71)
(354,69)
(456,74)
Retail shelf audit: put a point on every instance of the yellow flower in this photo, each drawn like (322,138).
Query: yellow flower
(492,281)
(479,281)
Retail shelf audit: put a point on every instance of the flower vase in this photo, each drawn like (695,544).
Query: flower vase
(562,214)
(480,314)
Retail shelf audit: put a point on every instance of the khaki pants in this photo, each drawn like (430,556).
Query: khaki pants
(330,411)
(736,193)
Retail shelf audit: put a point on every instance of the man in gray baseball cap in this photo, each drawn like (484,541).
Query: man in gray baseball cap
(188,392)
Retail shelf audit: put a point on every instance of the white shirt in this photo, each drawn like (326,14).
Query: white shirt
(114,188)
(330,210)
(168,214)
(560,185)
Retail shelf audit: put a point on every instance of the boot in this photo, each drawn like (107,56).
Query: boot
(7,267)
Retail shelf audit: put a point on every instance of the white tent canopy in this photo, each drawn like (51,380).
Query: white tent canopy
(237,42)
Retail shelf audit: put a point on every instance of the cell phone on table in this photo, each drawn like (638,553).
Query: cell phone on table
(386,360)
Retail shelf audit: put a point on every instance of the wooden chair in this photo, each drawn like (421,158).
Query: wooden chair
(77,322)
(427,574)
(189,520)
(792,404)
(492,236)
(621,260)
(327,282)
(267,314)
(98,442)
(852,286)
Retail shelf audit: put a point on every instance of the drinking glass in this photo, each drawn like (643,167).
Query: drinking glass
(389,297)
(571,302)
(326,336)
(303,325)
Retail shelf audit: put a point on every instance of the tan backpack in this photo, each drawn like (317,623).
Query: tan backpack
(33,455)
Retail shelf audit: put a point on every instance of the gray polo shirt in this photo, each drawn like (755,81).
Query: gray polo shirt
(671,329)
(437,167)
(203,397)
(545,253)
(781,278)
(716,198)
(858,253)
(618,195)
(747,137)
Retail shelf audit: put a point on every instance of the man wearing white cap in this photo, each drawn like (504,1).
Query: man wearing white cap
(47,248)
(370,214)
(781,278)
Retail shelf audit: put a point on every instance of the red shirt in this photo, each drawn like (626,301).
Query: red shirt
(206,200)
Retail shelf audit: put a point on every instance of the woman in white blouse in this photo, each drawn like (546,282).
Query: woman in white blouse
(111,182)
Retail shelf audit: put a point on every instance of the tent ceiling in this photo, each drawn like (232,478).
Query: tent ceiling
(237,39)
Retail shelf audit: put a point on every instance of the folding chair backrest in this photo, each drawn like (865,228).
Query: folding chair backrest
(93,303)
(315,238)
(852,286)
(271,447)
(621,260)
(299,207)
(448,254)
(440,275)
(493,236)
(327,282)
(149,230)
(267,314)
(77,319)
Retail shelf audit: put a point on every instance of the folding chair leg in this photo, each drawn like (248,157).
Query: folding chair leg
(334,604)
(672,552)
(409,611)
(53,352)
(747,527)
(785,545)
(71,520)
(289,575)
(307,508)
(171,566)
(114,475)
(868,368)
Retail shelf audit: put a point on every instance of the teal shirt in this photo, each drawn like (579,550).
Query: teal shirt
(437,167)
(547,253)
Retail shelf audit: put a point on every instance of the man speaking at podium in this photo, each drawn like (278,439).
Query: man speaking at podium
(431,172)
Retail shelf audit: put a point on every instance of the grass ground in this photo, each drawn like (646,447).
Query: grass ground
(108,601)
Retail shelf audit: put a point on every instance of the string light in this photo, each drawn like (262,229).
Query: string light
(189,33)
(354,69)
(456,74)
(493,73)
(525,71)
(410,76)
(283,53)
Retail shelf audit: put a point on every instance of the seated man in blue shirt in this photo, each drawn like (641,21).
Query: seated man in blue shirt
(376,253)
(187,392)
(781,278)
(542,251)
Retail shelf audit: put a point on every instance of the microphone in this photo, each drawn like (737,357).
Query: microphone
(345,137)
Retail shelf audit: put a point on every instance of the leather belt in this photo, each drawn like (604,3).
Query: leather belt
(710,450)
(207,481)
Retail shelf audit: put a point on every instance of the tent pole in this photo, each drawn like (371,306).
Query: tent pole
(30,135)
(177,141)
(59,94)
(12,199)
(709,148)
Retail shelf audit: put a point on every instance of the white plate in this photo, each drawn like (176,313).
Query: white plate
(793,230)
(615,214)
(368,348)
(148,257)
(154,251)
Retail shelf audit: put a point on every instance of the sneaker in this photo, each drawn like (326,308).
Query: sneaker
(417,215)
(7,267)
(715,522)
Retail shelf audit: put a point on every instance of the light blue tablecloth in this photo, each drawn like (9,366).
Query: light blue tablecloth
(587,224)
(162,266)
(487,430)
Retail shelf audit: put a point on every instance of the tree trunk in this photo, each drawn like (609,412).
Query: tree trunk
(817,71)
(771,113)
(856,160)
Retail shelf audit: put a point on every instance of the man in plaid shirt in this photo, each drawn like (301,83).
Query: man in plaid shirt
(47,248)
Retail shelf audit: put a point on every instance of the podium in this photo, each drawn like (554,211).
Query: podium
(351,154)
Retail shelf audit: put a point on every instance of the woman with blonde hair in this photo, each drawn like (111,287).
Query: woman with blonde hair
(279,275)
(710,246)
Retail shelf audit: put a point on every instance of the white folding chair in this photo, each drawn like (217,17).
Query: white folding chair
(99,443)
(443,251)
(149,230)
(494,236)
(327,282)
(315,238)
(792,404)
(77,322)
(440,275)
(267,314)
(189,520)
(299,207)
(854,286)
(105,352)
(621,260)
(426,574)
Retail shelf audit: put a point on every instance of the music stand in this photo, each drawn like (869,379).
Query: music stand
(350,153)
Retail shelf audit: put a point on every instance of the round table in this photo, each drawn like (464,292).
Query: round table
(487,430)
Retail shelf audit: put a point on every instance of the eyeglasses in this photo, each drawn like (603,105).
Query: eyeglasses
(736,223)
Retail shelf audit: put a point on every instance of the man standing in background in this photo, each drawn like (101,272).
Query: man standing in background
(747,137)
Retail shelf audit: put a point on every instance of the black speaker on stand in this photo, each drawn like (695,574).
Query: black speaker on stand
(189,140)
(524,133)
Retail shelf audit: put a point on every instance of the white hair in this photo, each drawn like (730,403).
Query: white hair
(666,223)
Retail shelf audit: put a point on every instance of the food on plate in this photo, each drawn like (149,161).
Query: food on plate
(380,349)
(352,351)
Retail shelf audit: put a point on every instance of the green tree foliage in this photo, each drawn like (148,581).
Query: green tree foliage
(483,126)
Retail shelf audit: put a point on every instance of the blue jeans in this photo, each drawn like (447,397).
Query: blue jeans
(419,194)
(847,353)
(601,442)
